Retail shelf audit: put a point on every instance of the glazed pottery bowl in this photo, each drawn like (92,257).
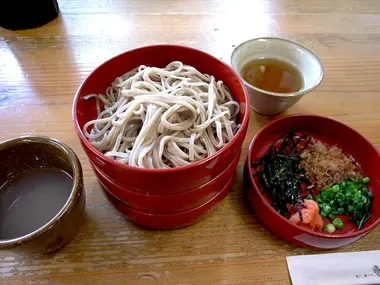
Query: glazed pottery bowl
(30,152)
(294,54)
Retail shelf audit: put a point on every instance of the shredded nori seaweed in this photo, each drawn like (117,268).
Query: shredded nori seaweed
(280,174)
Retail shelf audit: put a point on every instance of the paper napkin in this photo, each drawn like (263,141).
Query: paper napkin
(354,268)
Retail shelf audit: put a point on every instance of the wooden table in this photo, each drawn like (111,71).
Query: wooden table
(40,70)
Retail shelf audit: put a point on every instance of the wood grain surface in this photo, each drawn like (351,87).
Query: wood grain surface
(41,69)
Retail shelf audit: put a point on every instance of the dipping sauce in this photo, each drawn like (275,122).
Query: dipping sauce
(31,199)
(273,75)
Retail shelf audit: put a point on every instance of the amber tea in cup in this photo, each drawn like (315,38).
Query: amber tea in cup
(277,72)
(273,75)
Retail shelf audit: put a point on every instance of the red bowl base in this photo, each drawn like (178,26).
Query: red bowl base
(170,221)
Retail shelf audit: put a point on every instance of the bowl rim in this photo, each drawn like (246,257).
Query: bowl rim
(71,200)
(255,187)
(275,94)
(98,154)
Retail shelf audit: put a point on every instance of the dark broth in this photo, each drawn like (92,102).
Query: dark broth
(273,75)
(31,199)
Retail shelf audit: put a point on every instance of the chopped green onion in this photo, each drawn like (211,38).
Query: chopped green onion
(350,198)
(329,228)
(309,197)
(327,209)
(340,196)
(337,223)
(331,217)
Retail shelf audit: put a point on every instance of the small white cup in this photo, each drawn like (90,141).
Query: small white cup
(309,65)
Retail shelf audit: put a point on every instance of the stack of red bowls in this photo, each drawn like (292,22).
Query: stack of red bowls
(163,198)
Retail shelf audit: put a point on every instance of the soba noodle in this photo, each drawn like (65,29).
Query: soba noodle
(163,117)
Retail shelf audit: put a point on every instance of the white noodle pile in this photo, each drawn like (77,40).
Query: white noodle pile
(163,117)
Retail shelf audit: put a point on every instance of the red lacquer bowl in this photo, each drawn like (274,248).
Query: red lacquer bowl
(170,221)
(332,132)
(160,181)
(170,203)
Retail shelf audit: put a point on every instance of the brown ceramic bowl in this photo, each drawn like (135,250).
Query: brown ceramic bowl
(27,152)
